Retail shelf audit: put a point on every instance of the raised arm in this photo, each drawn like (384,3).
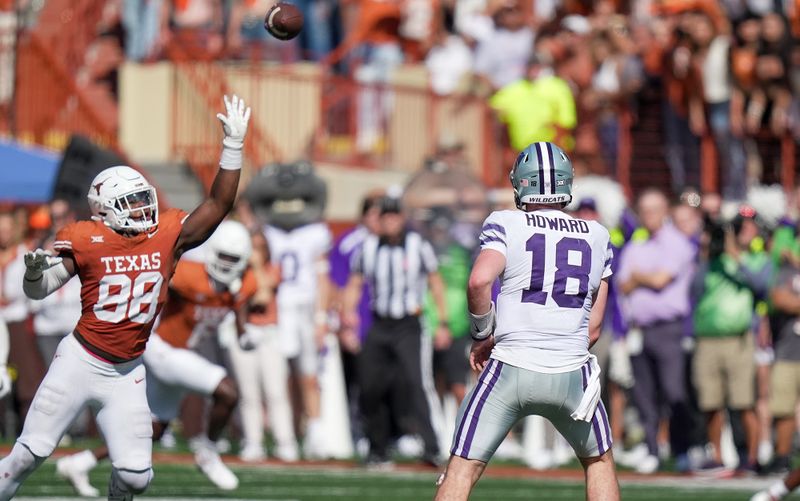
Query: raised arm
(204,219)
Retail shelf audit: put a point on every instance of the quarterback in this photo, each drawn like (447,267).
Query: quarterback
(534,351)
(124,258)
(200,295)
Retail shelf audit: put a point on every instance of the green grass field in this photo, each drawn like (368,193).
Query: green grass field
(306,483)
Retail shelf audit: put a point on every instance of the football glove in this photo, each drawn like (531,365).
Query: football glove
(234,123)
(38,261)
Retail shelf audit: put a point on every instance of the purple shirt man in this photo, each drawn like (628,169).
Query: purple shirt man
(654,278)
(666,252)
(340,258)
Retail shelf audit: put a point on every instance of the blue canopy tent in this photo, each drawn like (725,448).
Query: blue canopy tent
(27,174)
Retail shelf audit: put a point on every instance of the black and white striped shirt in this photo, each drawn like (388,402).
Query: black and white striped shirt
(397,274)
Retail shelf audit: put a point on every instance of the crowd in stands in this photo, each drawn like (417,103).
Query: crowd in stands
(723,70)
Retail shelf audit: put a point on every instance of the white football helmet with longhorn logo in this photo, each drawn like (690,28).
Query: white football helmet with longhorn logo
(122,198)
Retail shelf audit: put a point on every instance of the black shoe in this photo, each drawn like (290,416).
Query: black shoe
(778,466)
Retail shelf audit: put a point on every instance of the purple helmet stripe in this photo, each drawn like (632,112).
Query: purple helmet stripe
(552,168)
(477,414)
(541,167)
(481,379)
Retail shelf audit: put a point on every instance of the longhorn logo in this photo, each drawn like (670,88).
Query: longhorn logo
(97,186)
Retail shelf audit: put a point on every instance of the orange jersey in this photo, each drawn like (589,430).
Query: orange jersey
(195,306)
(123,281)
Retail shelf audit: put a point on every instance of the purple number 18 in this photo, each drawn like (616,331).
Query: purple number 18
(564,270)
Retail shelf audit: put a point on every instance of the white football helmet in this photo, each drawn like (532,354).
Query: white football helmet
(122,198)
(228,252)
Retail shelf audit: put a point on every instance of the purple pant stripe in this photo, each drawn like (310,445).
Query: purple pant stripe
(477,414)
(595,424)
(486,371)
(605,422)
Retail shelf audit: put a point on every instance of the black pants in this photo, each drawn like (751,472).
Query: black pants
(390,362)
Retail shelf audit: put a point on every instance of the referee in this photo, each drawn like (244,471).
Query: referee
(397,264)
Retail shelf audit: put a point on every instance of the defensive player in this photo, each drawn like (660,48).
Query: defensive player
(200,295)
(123,257)
(534,352)
(302,317)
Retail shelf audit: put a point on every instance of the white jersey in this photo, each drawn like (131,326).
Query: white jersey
(298,252)
(554,265)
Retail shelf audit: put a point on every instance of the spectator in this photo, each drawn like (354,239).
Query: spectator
(24,354)
(322,20)
(711,64)
(247,38)
(681,146)
(501,59)
(656,305)
(262,373)
(377,52)
(396,264)
(729,282)
(540,107)
(145,28)
(198,27)
(448,61)
(785,378)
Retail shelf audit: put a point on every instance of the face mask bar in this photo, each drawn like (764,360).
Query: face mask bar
(132,204)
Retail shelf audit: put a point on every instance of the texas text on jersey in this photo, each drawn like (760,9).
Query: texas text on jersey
(194,304)
(123,282)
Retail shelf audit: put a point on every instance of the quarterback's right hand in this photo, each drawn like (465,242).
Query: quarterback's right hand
(480,353)
(38,261)
(234,122)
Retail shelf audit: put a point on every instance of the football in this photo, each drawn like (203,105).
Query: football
(284,21)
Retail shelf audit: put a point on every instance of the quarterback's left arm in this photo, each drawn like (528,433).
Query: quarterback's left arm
(598,310)
(205,218)
(488,266)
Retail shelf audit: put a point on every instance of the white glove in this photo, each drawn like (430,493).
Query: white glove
(5,382)
(38,261)
(619,364)
(251,338)
(234,124)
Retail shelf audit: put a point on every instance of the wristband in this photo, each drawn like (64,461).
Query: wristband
(482,326)
(231,158)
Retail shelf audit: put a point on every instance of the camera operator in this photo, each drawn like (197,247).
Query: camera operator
(733,276)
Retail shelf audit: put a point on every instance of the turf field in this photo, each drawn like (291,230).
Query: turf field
(312,483)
